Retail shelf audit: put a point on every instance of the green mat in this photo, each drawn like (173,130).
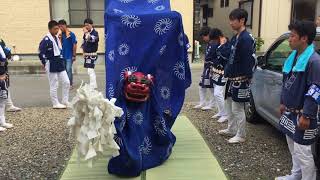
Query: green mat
(191,159)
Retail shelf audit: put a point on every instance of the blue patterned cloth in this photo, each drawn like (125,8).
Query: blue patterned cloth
(145,36)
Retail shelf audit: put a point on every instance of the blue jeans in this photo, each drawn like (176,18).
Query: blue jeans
(69,70)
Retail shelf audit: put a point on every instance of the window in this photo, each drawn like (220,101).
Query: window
(224,3)
(76,11)
(299,11)
(279,53)
(248,6)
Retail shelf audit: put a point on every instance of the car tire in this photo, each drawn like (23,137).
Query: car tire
(250,111)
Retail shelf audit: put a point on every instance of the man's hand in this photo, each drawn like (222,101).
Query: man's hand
(282,108)
(85,30)
(73,58)
(44,67)
(303,123)
(3,77)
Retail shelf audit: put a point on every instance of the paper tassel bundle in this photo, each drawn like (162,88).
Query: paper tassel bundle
(92,124)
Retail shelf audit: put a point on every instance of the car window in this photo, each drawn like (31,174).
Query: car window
(281,51)
(278,55)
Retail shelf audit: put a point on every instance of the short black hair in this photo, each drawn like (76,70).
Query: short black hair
(215,34)
(52,24)
(62,22)
(304,28)
(239,14)
(205,31)
(88,20)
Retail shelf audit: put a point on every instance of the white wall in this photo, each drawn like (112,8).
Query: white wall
(275,19)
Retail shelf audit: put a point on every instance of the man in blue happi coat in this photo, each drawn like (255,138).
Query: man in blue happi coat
(50,55)
(299,96)
(147,72)
(239,71)
(219,61)
(90,47)
(206,82)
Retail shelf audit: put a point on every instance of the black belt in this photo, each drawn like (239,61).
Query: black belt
(239,79)
(293,110)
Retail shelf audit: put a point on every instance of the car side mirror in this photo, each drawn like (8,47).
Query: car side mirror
(262,62)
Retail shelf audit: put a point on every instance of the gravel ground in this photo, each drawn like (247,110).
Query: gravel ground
(263,156)
(38,147)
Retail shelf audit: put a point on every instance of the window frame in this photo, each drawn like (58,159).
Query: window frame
(251,15)
(88,11)
(224,4)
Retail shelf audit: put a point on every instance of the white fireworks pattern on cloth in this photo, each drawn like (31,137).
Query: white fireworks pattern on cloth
(160,126)
(179,70)
(160,8)
(118,140)
(106,35)
(165,92)
(169,150)
(146,146)
(131,21)
(122,123)
(180,39)
(138,118)
(132,69)
(163,26)
(153,1)
(123,49)
(126,1)
(111,55)
(111,91)
(129,114)
(163,49)
(117,11)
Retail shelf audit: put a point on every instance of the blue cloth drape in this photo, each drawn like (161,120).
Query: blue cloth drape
(145,36)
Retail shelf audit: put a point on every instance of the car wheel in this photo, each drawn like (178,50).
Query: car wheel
(250,111)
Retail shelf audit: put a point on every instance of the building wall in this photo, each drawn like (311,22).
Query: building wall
(26,22)
(275,20)
(185,8)
(220,17)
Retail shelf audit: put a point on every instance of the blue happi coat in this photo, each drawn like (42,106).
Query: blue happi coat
(206,80)
(299,95)
(145,36)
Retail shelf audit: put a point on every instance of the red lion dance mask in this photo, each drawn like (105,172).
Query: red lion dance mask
(137,86)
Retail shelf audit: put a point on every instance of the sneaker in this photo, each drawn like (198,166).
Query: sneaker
(216,116)
(2,129)
(198,106)
(206,108)
(289,177)
(13,109)
(7,125)
(67,104)
(236,139)
(226,132)
(59,106)
(223,119)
